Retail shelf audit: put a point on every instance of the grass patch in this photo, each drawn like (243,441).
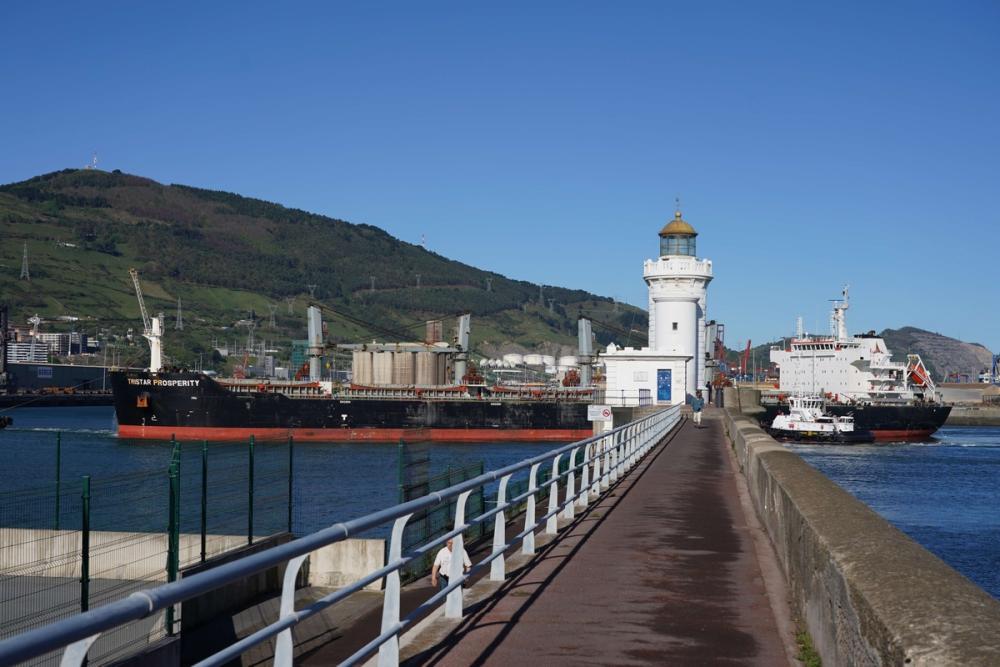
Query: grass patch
(807,655)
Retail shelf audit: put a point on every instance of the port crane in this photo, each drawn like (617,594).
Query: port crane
(34,322)
(152,328)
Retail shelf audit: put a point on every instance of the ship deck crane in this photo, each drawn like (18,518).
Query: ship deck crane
(152,328)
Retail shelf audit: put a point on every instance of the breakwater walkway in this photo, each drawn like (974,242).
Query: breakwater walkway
(664,570)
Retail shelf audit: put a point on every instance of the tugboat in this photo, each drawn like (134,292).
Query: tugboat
(807,421)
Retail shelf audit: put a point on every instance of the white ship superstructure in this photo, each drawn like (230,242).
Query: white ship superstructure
(851,368)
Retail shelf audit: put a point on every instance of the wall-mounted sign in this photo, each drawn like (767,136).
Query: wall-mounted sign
(599,413)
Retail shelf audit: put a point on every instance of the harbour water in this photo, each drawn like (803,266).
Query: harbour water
(944,493)
(332,481)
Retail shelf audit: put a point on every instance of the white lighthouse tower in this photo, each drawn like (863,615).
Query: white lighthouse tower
(678,287)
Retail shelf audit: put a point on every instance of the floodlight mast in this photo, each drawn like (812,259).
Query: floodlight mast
(152,329)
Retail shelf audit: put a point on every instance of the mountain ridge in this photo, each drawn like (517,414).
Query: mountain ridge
(228,257)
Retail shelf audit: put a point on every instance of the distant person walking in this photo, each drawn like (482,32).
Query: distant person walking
(442,565)
(697,404)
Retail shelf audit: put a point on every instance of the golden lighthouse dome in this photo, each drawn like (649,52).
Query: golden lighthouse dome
(678,227)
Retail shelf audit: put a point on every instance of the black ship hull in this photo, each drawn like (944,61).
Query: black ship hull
(885,422)
(195,407)
(819,437)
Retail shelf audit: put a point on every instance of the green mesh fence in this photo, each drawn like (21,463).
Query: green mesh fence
(82,543)
(415,481)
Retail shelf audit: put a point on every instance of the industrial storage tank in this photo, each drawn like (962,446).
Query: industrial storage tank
(533,359)
(382,368)
(404,367)
(569,361)
(513,359)
(548,360)
(361,367)
(426,369)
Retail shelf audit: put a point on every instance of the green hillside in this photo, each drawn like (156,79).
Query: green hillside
(228,258)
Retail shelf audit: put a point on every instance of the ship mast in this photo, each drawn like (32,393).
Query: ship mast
(839,323)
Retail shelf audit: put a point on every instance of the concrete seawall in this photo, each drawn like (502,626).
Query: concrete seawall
(868,594)
(972,415)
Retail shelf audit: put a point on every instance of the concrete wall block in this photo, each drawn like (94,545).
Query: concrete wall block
(113,555)
(342,563)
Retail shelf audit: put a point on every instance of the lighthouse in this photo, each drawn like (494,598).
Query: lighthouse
(678,289)
(672,367)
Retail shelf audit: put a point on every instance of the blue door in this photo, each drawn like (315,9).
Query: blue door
(663,382)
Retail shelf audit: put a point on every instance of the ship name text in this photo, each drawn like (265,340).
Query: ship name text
(157,382)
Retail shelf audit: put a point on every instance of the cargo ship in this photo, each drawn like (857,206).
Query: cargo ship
(396,389)
(858,377)
(194,406)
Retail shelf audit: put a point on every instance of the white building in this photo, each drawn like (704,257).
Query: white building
(28,352)
(672,368)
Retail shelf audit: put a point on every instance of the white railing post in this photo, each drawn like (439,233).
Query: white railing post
(627,453)
(632,441)
(631,451)
(552,523)
(606,477)
(388,653)
(584,498)
(456,570)
(528,545)
(598,451)
(498,568)
(623,455)
(614,476)
(568,512)
(76,653)
(284,648)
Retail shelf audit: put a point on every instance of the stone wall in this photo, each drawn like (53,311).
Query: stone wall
(868,594)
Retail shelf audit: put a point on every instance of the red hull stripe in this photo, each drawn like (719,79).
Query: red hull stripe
(903,434)
(355,434)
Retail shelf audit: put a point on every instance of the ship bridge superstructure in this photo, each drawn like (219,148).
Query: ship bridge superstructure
(853,368)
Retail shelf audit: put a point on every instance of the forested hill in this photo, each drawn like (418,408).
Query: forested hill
(225,256)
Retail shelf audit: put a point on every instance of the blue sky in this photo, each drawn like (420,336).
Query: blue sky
(811,145)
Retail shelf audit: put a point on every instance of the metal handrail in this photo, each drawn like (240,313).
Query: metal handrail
(606,457)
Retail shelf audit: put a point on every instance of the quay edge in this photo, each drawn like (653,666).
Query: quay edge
(867,593)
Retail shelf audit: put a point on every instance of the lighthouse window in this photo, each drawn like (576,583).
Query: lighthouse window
(675,326)
(677,245)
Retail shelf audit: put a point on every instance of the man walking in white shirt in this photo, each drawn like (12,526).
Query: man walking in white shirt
(442,565)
